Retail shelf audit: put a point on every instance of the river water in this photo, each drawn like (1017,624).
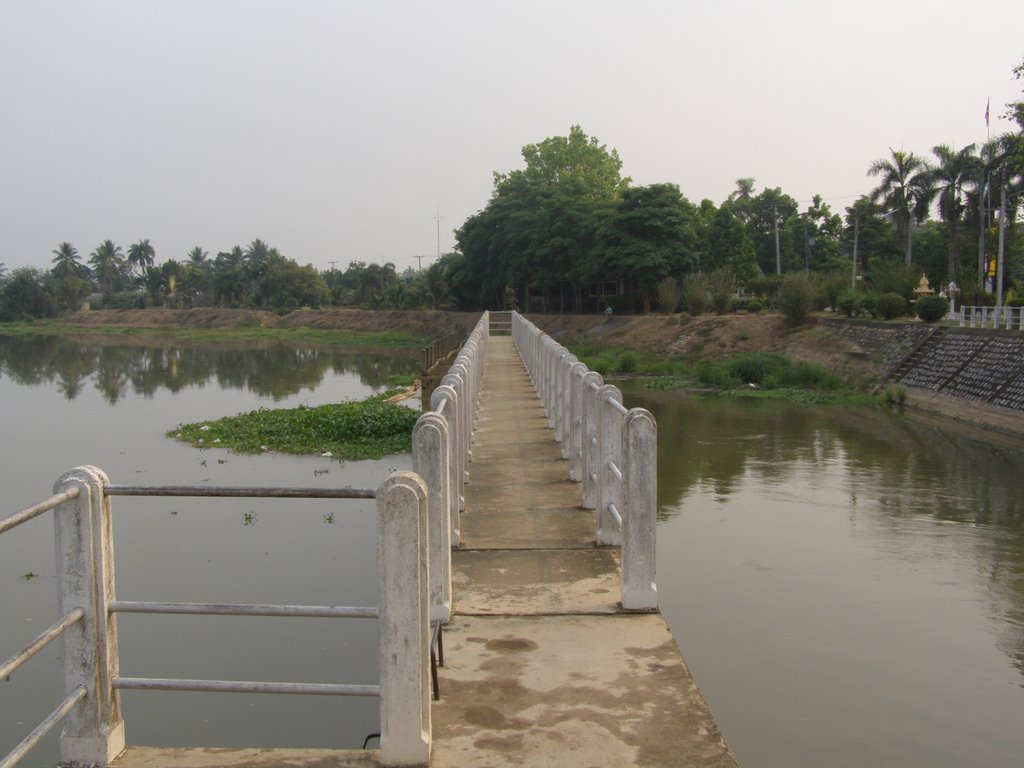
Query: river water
(847,583)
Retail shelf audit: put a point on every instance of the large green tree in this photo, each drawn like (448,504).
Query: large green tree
(140,256)
(649,236)
(67,262)
(539,230)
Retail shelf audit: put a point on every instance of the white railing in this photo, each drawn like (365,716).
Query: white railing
(612,452)
(94,732)
(1009,318)
(441,443)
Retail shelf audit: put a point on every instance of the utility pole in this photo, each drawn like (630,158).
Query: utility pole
(437,218)
(856,231)
(1002,238)
(332,263)
(778,255)
(419,261)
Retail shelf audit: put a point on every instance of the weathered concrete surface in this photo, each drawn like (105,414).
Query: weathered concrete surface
(570,691)
(542,666)
(157,757)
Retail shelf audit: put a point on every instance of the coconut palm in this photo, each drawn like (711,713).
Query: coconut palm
(904,191)
(67,262)
(108,265)
(947,179)
(140,256)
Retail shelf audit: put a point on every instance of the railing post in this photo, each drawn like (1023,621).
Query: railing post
(609,488)
(563,406)
(592,383)
(640,448)
(456,487)
(404,645)
(430,462)
(94,731)
(576,373)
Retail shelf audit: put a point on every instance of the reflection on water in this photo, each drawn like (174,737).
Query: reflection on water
(268,369)
(847,582)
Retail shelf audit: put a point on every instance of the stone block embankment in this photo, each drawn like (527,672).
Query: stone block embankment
(974,364)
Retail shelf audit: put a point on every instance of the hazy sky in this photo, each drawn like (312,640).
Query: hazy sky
(335,130)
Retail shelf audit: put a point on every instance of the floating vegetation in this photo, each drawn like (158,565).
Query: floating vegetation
(329,518)
(250,518)
(364,429)
(29,576)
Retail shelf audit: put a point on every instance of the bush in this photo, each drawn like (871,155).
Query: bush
(932,308)
(850,304)
(667,295)
(627,362)
(695,293)
(1016,301)
(754,307)
(754,367)
(713,374)
(891,306)
(796,297)
(721,286)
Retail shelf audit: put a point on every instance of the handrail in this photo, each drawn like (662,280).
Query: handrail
(94,730)
(35,511)
(1008,318)
(612,452)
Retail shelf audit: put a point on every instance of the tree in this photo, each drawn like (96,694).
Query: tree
(67,262)
(108,265)
(648,237)
(539,229)
(140,256)
(903,190)
(946,180)
(728,245)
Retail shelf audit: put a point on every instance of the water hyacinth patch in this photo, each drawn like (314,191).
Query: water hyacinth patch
(364,429)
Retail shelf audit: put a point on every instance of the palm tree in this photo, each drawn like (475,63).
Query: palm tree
(108,265)
(947,179)
(66,261)
(140,256)
(903,191)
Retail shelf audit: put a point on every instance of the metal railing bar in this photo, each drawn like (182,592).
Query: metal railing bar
(617,405)
(40,642)
(38,509)
(245,609)
(615,513)
(30,741)
(243,686)
(264,493)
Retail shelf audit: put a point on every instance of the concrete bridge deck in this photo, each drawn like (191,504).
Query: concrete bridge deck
(543,668)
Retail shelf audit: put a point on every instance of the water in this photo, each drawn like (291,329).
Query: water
(847,584)
(66,404)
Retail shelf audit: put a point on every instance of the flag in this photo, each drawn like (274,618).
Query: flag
(987,102)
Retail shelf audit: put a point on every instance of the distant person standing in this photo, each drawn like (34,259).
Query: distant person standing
(608,313)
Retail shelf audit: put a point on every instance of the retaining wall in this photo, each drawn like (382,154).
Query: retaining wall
(980,365)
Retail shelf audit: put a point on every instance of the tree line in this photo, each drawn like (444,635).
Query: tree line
(568,232)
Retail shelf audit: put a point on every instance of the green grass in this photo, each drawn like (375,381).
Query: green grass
(612,360)
(364,429)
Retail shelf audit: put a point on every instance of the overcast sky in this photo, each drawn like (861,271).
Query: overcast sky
(337,130)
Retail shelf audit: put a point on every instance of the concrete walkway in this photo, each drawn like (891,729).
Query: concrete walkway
(542,666)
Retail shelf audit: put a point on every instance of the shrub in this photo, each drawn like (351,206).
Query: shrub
(754,307)
(667,295)
(721,286)
(932,308)
(796,297)
(895,395)
(891,306)
(1016,301)
(754,367)
(712,374)
(850,304)
(695,293)
(627,362)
